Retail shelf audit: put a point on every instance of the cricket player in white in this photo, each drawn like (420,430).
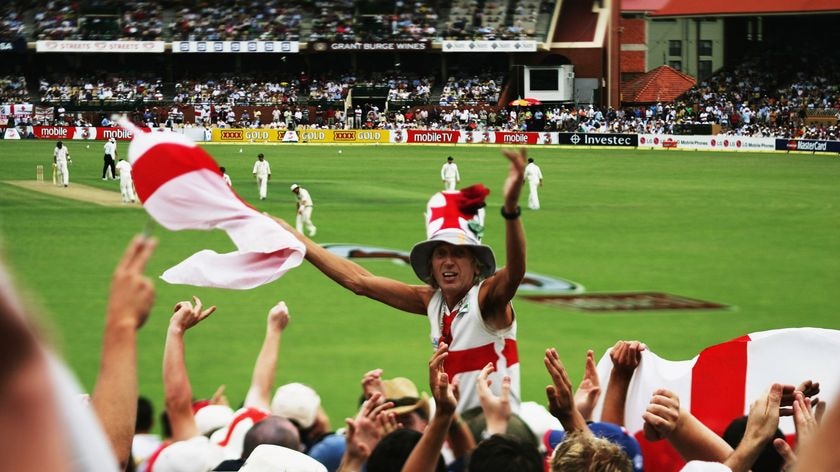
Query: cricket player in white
(61,158)
(449,174)
(262,172)
(304,210)
(535,179)
(126,182)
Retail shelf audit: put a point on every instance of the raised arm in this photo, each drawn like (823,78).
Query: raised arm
(664,419)
(259,394)
(561,402)
(114,397)
(176,381)
(500,288)
(424,456)
(357,279)
(761,425)
(625,356)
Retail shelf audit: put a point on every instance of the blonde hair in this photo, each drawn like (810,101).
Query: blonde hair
(583,452)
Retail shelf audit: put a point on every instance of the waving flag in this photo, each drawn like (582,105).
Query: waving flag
(721,382)
(181,187)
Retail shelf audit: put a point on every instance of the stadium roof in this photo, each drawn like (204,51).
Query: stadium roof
(745,7)
(663,84)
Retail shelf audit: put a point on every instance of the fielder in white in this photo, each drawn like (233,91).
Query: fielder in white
(304,210)
(449,174)
(126,182)
(61,159)
(534,177)
(262,172)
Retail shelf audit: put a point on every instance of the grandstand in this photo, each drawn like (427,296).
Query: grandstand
(751,70)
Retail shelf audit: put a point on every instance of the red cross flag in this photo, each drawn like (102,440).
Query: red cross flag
(181,187)
(721,382)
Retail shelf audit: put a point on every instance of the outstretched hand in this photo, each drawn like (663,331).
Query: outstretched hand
(443,391)
(516,174)
(132,293)
(496,409)
(186,315)
(586,396)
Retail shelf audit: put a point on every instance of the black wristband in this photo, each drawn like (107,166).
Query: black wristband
(511,216)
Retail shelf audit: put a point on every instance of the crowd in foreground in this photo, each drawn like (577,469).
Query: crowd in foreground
(475,419)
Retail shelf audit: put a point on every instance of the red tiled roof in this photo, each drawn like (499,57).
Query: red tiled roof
(663,84)
(746,7)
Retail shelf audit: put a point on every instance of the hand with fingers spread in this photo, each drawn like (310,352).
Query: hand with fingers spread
(497,410)
(367,428)
(762,422)
(808,388)
(561,403)
(439,382)
(589,389)
(662,415)
(186,315)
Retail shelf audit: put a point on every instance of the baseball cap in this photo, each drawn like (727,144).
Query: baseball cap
(294,187)
(612,432)
(271,458)
(196,454)
(297,402)
(405,396)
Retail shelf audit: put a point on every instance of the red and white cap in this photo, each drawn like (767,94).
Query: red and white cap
(450,218)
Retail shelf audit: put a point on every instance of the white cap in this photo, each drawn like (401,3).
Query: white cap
(271,458)
(702,466)
(212,417)
(296,401)
(294,187)
(193,455)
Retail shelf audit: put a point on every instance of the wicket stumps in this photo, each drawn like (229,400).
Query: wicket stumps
(39,173)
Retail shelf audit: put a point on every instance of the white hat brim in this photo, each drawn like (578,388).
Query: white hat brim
(422,252)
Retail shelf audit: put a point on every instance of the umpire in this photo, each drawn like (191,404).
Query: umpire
(110,156)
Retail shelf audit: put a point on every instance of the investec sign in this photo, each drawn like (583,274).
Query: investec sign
(599,139)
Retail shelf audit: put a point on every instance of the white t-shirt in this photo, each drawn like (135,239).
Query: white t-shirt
(111,148)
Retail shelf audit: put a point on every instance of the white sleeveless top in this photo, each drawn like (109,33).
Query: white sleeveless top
(473,345)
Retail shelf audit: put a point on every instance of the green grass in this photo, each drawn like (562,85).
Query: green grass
(756,231)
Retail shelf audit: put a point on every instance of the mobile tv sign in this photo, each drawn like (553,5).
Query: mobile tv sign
(598,139)
(807,145)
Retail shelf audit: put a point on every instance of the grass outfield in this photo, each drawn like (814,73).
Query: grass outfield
(756,231)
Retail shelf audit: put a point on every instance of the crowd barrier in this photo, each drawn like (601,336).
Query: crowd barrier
(433,136)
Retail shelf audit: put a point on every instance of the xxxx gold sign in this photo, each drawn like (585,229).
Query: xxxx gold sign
(227,135)
(344,136)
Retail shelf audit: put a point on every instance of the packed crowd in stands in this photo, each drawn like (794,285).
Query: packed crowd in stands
(314,20)
(105,88)
(13,89)
(239,21)
(11,22)
(227,89)
(474,90)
